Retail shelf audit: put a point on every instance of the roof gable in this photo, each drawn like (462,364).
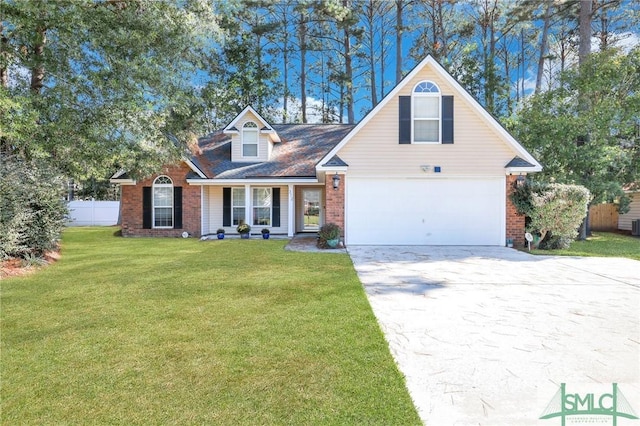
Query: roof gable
(263,124)
(460,91)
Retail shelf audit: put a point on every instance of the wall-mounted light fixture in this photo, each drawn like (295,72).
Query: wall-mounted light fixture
(520,180)
(336,181)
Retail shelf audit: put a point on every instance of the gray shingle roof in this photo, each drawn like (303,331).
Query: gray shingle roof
(301,147)
(518,162)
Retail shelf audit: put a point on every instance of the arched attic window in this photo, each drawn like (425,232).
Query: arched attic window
(250,139)
(426,107)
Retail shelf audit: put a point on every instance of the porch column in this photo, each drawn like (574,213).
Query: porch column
(334,200)
(291,230)
(248,211)
(515,223)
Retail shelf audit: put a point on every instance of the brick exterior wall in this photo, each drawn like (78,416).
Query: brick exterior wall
(515,222)
(131,206)
(334,201)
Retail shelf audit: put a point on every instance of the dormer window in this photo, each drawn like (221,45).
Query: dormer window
(250,139)
(426,113)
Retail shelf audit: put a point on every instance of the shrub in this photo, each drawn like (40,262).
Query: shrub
(328,231)
(32,210)
(557,212)
(243,228)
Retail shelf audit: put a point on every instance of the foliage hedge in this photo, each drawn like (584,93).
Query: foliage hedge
(554,211)
(32,210)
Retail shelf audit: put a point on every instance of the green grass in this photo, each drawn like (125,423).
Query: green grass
(175,331)
(605,244)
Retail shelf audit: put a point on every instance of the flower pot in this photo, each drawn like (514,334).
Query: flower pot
(244,236)
(265,236)
(333,243)
(221,236)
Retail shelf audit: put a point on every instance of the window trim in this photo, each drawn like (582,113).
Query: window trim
(434,92)
(253,206)
(252,127)
(155,186)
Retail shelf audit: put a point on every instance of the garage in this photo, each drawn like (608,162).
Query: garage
(429,211)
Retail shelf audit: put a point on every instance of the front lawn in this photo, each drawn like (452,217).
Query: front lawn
(175,331)
(607,244)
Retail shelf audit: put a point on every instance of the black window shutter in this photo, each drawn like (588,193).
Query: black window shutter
(177,207)
(146,207)
(275,206)
(226,206)
(447,119)
(405,120)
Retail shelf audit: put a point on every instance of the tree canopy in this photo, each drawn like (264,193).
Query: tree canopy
(95,86)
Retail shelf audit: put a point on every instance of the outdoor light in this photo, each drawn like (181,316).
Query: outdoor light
(520,181)
(336,181)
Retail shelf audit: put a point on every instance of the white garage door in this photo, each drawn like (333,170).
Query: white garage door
(426,211)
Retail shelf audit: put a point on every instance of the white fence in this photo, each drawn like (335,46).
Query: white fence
(93,213)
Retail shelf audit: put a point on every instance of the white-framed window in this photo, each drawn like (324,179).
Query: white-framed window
(250,139)
(238,209)
(425,110)
(163,202)
(261,202)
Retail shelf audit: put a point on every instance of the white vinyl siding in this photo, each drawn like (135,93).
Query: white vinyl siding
(264,146)
(214,211)
(478,149)
(624,220)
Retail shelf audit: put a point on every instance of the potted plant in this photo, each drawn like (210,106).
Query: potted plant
(329,235)
(265,233)
(220,233)
(244,230)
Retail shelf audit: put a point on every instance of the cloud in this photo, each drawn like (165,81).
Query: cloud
(294,107)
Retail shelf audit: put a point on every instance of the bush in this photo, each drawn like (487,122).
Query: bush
(557,212)
(32,210)
(243,228)
(328,231)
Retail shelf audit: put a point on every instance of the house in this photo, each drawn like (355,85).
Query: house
(427,166)
(625,221)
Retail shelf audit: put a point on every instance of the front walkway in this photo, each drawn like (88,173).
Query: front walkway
(486,335)
(307,242)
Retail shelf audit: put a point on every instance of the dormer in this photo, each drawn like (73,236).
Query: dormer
(252,137)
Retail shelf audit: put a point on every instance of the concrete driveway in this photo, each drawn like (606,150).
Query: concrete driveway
(486,335)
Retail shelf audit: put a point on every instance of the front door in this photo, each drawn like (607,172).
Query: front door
(311,209)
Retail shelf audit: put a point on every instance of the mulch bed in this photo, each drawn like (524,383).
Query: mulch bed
(14,267)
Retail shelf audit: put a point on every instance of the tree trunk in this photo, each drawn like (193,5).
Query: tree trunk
(585,227)
(302,36)
(399,7)
(604,30)
(543,46)
(443,38)
(371,33)
(348,83)
(4,58)
(584,18)
(37,71)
